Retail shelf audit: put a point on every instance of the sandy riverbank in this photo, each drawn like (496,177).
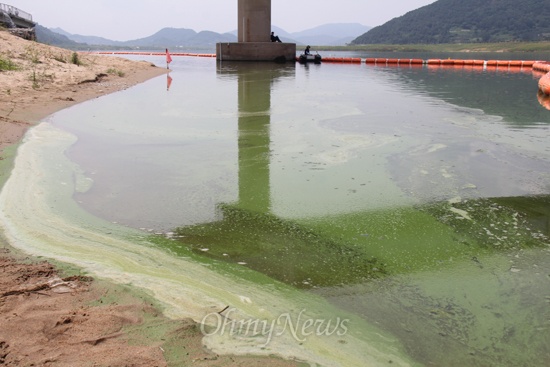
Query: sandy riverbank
(58,317)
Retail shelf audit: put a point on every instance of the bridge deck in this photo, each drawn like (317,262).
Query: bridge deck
(20,18)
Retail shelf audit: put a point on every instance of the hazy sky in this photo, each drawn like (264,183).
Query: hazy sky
(125,20)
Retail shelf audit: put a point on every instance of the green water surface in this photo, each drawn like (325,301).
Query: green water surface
(394,194)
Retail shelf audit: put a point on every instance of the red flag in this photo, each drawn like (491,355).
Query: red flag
(168,58)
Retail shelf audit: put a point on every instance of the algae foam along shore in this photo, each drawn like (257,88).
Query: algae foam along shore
(39,216)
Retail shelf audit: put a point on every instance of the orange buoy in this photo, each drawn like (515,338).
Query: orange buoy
(537,74)
(537,66)
(415,66)
(544,84)
(434,62)
(544,100)
(351,60)
(410,61)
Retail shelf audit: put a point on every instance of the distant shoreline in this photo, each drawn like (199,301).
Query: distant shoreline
(446,47)
(518,47)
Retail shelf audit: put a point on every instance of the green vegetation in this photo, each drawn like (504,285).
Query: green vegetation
(60,58)
(75,59)
(34,80)
(115,72)
(6,64)
(32,54)
(465,21)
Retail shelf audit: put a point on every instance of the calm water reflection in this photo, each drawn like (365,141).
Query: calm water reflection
(416,198)
(334,131)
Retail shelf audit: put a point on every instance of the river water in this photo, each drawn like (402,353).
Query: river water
(393,214)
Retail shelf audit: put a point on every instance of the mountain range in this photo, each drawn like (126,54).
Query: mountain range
(334,34)
(443,21)
(466,21)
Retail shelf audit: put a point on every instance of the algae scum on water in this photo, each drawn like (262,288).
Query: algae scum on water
(451,280)
(404,199)
(355,247)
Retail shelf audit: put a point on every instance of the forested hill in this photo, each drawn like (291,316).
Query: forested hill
(466,21)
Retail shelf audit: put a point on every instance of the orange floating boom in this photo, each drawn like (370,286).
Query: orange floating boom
(544,84)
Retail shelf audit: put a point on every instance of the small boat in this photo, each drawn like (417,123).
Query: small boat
(309,58)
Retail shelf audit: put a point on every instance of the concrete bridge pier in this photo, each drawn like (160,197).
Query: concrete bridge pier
(254,41)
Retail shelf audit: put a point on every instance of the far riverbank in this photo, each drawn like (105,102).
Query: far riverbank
(446,47)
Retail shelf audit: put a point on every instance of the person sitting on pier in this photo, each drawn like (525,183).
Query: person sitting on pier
(275,38)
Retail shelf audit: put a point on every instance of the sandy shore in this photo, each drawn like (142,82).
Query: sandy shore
(58,317)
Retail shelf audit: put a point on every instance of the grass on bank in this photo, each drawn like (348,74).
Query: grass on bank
(6,64)
(447,47)
(114,71)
